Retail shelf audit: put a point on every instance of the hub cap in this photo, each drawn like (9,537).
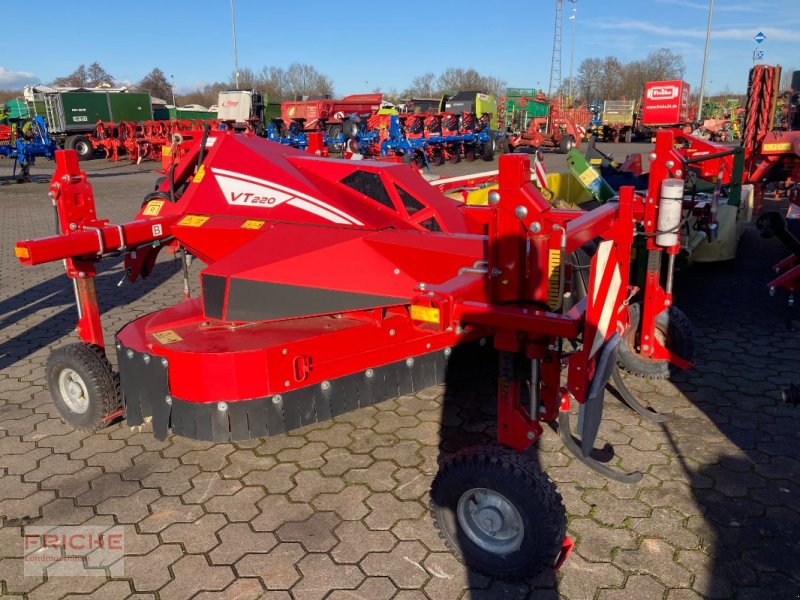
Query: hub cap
(73,391)
(490,521)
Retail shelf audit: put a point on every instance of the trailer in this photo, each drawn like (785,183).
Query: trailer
(619,120)
(72,115)
(327,114)
(666,104)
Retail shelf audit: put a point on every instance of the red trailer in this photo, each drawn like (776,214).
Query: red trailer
(316,114)
(666,103)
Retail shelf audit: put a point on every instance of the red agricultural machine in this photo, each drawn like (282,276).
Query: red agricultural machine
(327,114)
(331,285)
(556,132)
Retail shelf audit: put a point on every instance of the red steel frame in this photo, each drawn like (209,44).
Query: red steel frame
(490,272)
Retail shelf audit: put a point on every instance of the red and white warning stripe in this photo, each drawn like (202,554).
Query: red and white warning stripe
(606,282)
(539,172)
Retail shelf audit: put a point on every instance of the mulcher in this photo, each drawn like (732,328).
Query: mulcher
(332,285)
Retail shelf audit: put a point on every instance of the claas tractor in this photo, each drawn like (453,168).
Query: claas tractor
(331,285)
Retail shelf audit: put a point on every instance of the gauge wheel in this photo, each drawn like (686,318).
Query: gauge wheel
(673,331)
(83,386)
(498,512)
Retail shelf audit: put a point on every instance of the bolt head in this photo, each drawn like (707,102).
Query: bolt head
(285,351)
(670,164)
(652,156)
(392,332)
(222,406)
(277,399)
(409,362)
(646,347)
(146,359)
(521,212)
(168,400)
(494,198)
(448,351)
(397,271)
(535,227)
(325,385)
(164,362)
(129,353)
(530,435)
(369,373)
(679,173)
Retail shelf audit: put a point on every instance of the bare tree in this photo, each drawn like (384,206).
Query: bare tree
(590,78)
(78,78)
(97,76)
(156,83)
(304,79)
(422,86)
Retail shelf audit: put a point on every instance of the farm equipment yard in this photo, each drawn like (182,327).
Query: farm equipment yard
(525,328)
(339,509)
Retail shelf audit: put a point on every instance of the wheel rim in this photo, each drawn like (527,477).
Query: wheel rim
(490,521)
(73,391)
(82,148)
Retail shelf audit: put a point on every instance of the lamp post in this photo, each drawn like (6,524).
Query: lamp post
(573,18)
(705,61)
(172,78)
(235,51)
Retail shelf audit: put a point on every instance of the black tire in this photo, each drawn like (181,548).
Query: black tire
(675,332)
(82,145)
(487,151)
(566,144)
(628,136)
(470,153)
(419,159)
(95,395)
(516,480)
(455,155)
(436,157)
(350,129)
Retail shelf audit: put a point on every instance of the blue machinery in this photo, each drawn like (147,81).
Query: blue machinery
(29,140)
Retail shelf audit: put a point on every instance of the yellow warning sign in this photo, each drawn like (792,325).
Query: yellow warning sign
(253,224)
(777,147)
(553,278)
(153,208)
(166,150)
(588,176)
(595,161)
(167,336)
(193,221)
(201,172)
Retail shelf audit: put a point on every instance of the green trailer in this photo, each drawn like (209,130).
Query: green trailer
(72,115)
(522,106)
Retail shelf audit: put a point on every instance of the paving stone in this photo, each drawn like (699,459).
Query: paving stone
(193,574)
(237,539)
(277,510)
(240,506)
(597,544)
(209,485)
(403,565)
(356,541)
(166,511)
(150,572)
(241,589)
(277,569)
(448,576)
(636,587)
(387,510)
(348,504)
(656,558)
(320,575)
(197,537)
(311,484)
(580,578)
(315,534)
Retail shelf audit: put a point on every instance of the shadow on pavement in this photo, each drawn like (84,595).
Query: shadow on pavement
(743,463)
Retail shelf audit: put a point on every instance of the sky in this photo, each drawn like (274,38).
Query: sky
(364,45)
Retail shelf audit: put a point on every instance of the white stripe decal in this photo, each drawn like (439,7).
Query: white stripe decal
(321,207)
(602,260)
(608,311)
(321,212)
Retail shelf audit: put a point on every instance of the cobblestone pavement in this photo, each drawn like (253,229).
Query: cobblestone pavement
(338,510)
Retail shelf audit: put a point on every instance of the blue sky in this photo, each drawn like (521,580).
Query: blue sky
(363,45)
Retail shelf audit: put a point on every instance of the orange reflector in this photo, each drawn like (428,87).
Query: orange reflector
(21,252)
(426,314)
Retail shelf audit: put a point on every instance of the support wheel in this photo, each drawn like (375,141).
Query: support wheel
(673,330)
(498,512)
(84,388)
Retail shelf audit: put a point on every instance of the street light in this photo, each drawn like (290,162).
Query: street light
(235,51)
(705,61)
(572,18)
